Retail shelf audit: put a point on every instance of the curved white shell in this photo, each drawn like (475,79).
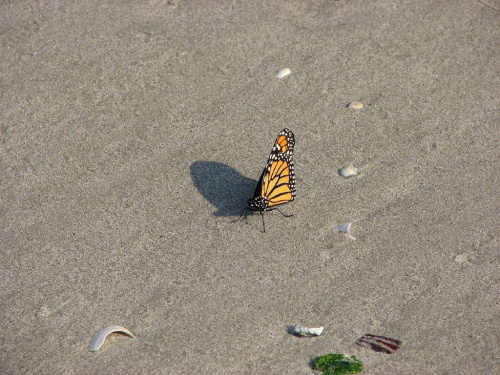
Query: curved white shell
(345,229)
(349,171)
(100,336)
(299,330)
(283,72)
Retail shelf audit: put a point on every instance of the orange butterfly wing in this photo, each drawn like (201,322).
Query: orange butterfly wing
(277,183)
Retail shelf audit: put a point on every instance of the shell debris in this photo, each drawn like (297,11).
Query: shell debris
(379,343)
(345,229)
(349,171)
(355,105)
(461,259)
(299,330)
(283,72)
(100,336)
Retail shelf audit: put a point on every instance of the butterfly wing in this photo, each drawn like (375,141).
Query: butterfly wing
(277,183)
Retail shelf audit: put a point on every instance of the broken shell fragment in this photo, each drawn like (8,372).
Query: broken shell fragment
(299,330)
(379,344)
(345,229)
(283,72)
(462,259)
(349,171)
(355,105)
(100,336)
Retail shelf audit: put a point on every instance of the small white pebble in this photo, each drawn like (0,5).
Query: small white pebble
(283,73)
(355,105)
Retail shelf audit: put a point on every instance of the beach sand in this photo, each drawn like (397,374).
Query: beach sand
(133,133)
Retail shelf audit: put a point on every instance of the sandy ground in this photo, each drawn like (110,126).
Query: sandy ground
(133,133)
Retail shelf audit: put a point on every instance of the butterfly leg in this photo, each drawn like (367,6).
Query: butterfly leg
(283,213)
(241,215)
(263,224)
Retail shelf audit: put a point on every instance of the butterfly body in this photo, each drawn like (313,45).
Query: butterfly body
(276,185)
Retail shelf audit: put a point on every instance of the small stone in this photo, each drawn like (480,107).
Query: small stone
(355,105)
(283,72)
(349,171)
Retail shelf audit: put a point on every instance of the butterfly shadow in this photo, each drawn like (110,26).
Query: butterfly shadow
(223,186)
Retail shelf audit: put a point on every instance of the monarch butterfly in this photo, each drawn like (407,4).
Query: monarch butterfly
(277,183)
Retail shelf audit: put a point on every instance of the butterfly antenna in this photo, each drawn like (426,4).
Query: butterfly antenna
(263,224)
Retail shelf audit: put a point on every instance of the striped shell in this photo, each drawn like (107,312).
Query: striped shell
(299,330)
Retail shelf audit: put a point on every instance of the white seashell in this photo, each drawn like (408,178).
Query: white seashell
(100,336)
(345,229)
(349,171)
(283,72)
(299,330)
(355,105)
(462,259)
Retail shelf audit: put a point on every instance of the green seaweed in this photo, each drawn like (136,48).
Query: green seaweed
(337,364)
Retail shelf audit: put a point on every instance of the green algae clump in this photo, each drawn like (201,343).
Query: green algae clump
(337,364)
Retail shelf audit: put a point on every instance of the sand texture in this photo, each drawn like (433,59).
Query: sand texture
(133,133)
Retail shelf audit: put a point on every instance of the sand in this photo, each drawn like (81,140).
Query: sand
(133,133)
